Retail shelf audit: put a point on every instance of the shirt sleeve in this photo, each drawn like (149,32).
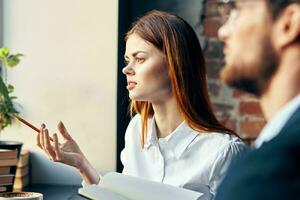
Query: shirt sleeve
(83,184)
(130,139)
(222,162)
(124,162)
(124,152)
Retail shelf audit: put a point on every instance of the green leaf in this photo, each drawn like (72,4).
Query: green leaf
(12,61)
(10,88)
(9,60)
(4,52)
(4,90)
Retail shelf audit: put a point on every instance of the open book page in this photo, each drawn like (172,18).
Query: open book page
(135,188)
(98,193)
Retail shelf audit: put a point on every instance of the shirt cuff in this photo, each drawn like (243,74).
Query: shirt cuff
(83,184)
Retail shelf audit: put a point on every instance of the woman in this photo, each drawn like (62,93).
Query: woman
(174,137)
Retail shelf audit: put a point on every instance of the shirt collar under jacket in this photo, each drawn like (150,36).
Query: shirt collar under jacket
(275,125)
(177,141)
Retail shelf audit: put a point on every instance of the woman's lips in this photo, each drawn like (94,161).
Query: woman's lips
(130,85)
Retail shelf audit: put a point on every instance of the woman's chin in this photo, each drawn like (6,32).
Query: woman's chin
(135,97)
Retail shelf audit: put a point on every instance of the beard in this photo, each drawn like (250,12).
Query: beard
(254,75)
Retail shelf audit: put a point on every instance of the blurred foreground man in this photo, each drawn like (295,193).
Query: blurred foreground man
(262,55)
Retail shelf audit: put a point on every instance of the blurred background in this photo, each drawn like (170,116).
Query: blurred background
(71,72)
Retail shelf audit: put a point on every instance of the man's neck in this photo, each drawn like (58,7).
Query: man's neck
(284,86)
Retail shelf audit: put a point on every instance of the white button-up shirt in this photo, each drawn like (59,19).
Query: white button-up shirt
(185,158)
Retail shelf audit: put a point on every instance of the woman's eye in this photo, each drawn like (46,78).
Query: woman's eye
(140,60)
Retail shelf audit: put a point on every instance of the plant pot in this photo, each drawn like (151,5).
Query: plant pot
(11,145)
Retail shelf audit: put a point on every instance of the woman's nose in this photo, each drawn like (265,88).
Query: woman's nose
(128,70)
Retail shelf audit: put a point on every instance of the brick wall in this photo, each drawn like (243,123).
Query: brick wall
(237,110)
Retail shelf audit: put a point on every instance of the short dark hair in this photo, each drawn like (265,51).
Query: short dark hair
(277,6)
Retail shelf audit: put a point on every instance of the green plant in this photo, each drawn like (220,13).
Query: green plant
(7,108)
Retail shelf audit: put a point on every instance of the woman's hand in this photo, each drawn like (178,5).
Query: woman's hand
(67,152)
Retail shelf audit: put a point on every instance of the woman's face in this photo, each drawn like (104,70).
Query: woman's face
(146,71)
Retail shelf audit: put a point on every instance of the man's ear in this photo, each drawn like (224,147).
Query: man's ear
(287,27)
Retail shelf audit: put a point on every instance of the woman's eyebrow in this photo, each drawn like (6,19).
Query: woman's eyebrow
(135,53)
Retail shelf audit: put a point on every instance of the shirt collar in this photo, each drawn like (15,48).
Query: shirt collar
(151,133)
(178,140)
(275,125)
(181,138)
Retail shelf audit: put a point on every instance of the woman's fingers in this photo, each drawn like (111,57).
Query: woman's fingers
(38,143)
(47,145)
(52,149)
(42,139)
(62,129)
(56,148)
(43,126)
(39,138)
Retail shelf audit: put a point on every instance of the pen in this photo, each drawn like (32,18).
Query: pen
(29,124)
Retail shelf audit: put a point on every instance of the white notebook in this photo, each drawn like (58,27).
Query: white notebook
(116,186)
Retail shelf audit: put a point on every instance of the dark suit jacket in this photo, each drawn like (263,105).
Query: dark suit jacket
(269,173)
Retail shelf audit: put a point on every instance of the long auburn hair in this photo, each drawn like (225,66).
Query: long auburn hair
(180,45)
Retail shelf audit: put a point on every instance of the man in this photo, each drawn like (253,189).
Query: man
(262,55)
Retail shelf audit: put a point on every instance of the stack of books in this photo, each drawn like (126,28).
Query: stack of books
(22,172)
(8,162)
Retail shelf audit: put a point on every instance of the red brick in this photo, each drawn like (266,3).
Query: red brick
(250,108)
(211,9)
(211,26)
(213,88)
(251,128)
(214,49)
(225,118)
(222,107)
(238,94)
(231,124)
(213,68)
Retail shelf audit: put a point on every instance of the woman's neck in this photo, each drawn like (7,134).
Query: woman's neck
(167,116)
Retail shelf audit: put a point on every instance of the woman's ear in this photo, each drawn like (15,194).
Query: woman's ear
(287,27)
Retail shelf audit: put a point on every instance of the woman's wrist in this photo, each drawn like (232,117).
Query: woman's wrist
(83,165)
(88,173)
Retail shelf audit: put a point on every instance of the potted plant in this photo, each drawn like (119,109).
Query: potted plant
(8,112)
(7,109)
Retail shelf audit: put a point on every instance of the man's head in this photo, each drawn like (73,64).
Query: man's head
(256,36)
